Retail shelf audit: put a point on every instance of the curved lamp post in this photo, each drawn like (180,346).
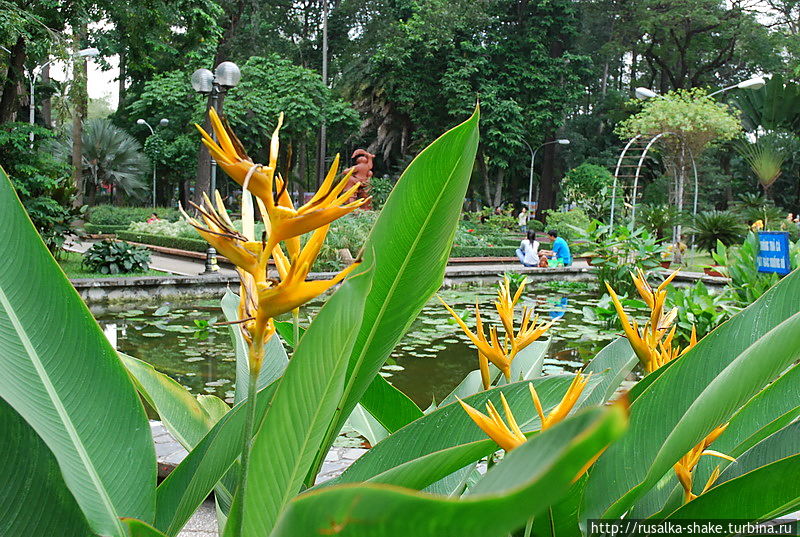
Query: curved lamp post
(216,83)
(751,83)
(34,73)
(164,122)
(560,141)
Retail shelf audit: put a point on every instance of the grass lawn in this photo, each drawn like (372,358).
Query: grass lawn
(697,260)
(71,264)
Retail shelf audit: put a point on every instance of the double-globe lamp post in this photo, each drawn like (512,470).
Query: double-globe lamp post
(216,83)
(164,122)
(560,141)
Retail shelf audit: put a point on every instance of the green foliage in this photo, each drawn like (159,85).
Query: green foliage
(483,251)
(116,257)
(190,244)
(616,252)
(589,187)
(697,119)
(764,159)
(776,106)
(41,181)
(710,227)
(349,232)
(112,158)
(112,215)
(659,219)
(380,188)
(569,224)
(700,308)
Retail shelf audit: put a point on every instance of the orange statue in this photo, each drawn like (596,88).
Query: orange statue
(362,171)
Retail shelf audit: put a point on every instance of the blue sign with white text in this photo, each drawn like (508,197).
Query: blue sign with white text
(773,252)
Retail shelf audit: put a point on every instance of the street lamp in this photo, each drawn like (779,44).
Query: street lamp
(216,83)
(751,83)
(560,141)
(164,122)
(36,71)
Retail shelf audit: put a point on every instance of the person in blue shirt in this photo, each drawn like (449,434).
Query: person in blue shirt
(560,248)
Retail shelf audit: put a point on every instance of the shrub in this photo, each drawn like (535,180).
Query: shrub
(110,215)
(380,188)
(569,224)
(589,187)
(712,226)
(180,243)
(699,308)
(116,257)
(482,251)
(88,227)
(350,232)
(660,218)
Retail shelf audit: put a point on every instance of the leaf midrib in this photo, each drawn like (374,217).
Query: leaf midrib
(62,411)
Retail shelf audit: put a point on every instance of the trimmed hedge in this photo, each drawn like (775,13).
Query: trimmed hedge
(110,215)
(89,227)
(491,251)
(192,245)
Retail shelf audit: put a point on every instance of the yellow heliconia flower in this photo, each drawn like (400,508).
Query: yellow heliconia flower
(491,349)
(276,297)
(652,343)
(565,406)
(328,204)
(686,465)
(508,436)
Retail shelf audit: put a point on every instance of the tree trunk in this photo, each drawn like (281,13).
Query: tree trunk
(79,100)
(483,170)
(15,77)
(547,182)
(498,188)
(123,75)
(47,103)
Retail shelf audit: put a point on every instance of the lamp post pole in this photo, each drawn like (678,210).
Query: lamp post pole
(164,122)
(204,81)
(560,141)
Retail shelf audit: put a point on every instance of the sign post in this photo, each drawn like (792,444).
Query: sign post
(773,252)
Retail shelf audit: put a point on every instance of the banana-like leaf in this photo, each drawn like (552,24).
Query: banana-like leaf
(181,413)
(363,422)
(699,392)
(525,483)
(393,407)
(58,371)
(768,492)
(450,426)
(408,250)
(784,443)
(137,528)
(33,494)
(211,464)
(305,400)
(616,360)
(275,358)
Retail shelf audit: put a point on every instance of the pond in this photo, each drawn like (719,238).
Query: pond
(179,339)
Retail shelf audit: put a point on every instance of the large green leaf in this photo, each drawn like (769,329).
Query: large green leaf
(304,403)
(526,482)
(389,406)
(449,426)
(616,360)
(180,412)
(699,392)
(275,358)
(215,456)
(765,493)
(58,371)
(33,494)
(137,528)
(408,250)
(782,444)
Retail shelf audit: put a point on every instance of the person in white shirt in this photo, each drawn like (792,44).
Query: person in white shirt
(528,251)
(522,219)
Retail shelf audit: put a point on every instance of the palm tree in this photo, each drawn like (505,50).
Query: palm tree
(765,159)
(112,159)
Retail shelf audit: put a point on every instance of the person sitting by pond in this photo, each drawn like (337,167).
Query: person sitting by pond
(153,219)
(560,249)
(528,252)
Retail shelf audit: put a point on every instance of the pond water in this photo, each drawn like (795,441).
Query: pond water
(179,339)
